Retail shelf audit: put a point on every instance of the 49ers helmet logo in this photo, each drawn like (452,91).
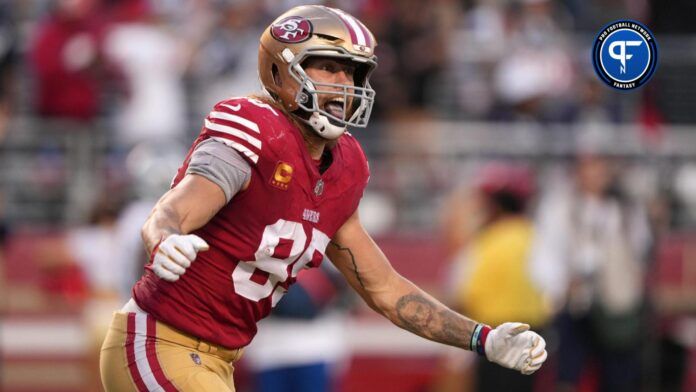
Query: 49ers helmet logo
(292,30)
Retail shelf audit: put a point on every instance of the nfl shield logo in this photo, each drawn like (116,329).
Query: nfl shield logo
(196,359)
(319,188)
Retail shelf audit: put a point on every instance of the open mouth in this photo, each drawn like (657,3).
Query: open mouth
(335,107)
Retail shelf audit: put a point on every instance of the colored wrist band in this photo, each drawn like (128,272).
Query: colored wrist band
(478,339)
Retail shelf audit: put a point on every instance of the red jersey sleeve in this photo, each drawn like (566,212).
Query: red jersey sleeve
(241,123)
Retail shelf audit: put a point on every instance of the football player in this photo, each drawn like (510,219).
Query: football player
(271,186)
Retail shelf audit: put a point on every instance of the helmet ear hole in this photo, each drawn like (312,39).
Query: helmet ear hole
(276,76)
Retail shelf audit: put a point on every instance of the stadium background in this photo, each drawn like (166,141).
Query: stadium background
(95,116)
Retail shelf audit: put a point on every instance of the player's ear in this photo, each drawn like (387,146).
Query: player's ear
(276,76)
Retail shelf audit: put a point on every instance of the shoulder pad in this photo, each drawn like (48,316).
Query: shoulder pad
(239,123)
(357,155)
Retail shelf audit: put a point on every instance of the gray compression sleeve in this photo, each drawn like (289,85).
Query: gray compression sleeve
(220,164)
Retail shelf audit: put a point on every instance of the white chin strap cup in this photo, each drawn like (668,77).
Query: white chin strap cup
(324,128)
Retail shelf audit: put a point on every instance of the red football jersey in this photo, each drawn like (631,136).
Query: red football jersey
(266,234)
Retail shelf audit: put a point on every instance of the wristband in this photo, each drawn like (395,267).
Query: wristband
(478,339)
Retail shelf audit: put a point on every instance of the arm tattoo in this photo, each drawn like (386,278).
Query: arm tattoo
(352,259)
(427,318)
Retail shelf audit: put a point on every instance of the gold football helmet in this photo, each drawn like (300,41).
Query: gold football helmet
(314,30)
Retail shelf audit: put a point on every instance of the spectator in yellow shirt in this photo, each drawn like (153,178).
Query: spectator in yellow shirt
(491,280)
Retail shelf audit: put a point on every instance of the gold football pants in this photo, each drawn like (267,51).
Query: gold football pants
(142,354)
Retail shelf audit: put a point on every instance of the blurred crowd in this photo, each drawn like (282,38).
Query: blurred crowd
(563,203)
(499,60)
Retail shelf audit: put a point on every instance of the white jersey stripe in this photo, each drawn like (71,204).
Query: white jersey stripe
(354,25)
(141,354)
(234,118)
(239,147)
(232,131)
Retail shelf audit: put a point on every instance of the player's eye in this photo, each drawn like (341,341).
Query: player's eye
(328,66)
(349,69)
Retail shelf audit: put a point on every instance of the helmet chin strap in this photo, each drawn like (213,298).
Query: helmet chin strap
(323,127)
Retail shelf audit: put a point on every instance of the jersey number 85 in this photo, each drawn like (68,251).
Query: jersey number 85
(272,258)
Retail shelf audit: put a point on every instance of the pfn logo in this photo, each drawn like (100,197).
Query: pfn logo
(625,54)
(621,55)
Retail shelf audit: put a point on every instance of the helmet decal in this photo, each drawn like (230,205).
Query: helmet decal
(292,30)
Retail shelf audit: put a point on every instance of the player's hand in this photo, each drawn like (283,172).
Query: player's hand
(175,254)
(514,346)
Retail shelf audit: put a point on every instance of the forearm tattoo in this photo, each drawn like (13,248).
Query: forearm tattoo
(352,259)
(432,320)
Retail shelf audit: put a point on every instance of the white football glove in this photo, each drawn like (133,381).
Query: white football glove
(514,346)
(175,254)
